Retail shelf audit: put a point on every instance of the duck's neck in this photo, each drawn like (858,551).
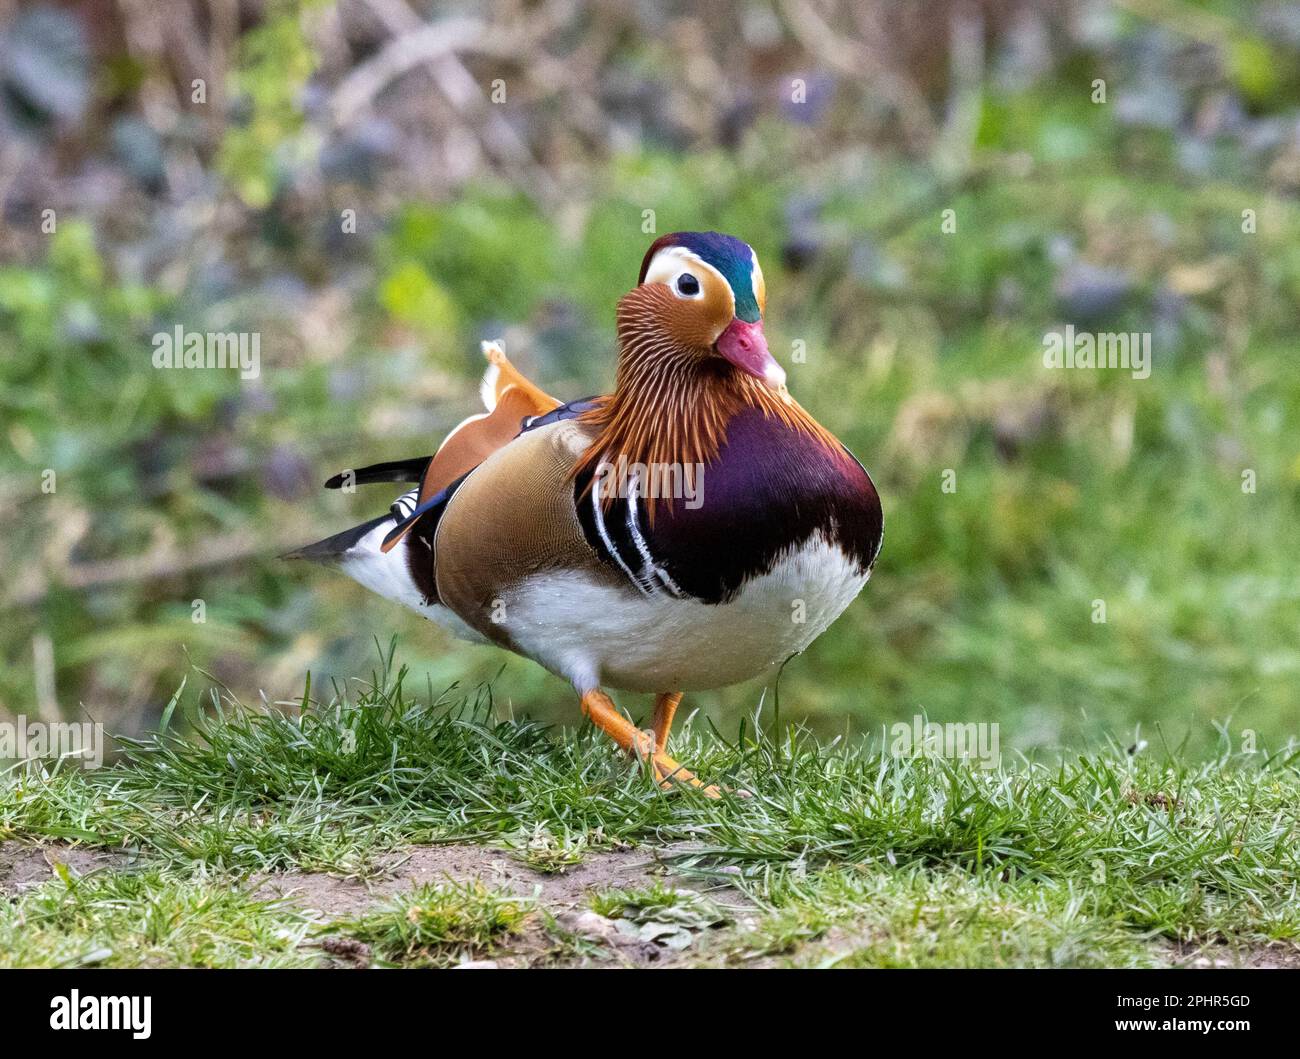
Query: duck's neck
(671,404)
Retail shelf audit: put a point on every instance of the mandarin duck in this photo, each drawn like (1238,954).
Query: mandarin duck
(693,529)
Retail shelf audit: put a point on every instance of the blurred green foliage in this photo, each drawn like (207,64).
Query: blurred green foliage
(275,63)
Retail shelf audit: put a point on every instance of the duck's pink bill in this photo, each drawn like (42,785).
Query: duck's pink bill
(745,345)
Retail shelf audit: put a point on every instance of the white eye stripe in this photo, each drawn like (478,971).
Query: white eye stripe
(672,261)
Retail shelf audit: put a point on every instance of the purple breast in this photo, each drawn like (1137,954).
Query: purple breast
(769,489)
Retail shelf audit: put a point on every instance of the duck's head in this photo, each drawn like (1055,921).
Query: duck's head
(701,295)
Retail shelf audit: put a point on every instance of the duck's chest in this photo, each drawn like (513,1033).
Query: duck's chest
(774,506)
(595,632)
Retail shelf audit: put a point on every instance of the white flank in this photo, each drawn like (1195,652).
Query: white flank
(386,574)
(594,634)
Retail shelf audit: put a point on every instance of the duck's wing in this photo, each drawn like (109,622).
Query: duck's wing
(518,411)
(505,391)
(513,404)
(511,401)
(514,521)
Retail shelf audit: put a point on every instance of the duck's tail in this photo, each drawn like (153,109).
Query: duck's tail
(376,553)
(334,549)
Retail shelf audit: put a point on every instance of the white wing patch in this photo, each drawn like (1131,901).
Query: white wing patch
(487,389)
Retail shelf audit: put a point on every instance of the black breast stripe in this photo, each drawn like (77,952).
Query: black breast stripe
(615,532)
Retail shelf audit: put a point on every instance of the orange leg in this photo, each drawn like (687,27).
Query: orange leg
(665,707)
(605,716)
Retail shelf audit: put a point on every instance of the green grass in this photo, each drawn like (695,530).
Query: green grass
(435,924)
(668,916)
(149,918)
(1093,858)
(655,901)
(932,918)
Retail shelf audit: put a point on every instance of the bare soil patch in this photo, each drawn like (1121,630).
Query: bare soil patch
(560,896)
(1278,956)
(23,866)
(557,891)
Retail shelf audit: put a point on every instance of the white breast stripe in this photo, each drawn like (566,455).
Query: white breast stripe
(647,561)
(599,516)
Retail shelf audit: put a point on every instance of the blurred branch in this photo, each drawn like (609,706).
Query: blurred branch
(224,16)
(854,59)
(416,44)
(152,566)
(357,92)
(47,702)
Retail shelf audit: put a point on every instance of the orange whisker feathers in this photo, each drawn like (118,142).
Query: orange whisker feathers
(671,404)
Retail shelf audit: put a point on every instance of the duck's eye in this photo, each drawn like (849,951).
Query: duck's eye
(688,285)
